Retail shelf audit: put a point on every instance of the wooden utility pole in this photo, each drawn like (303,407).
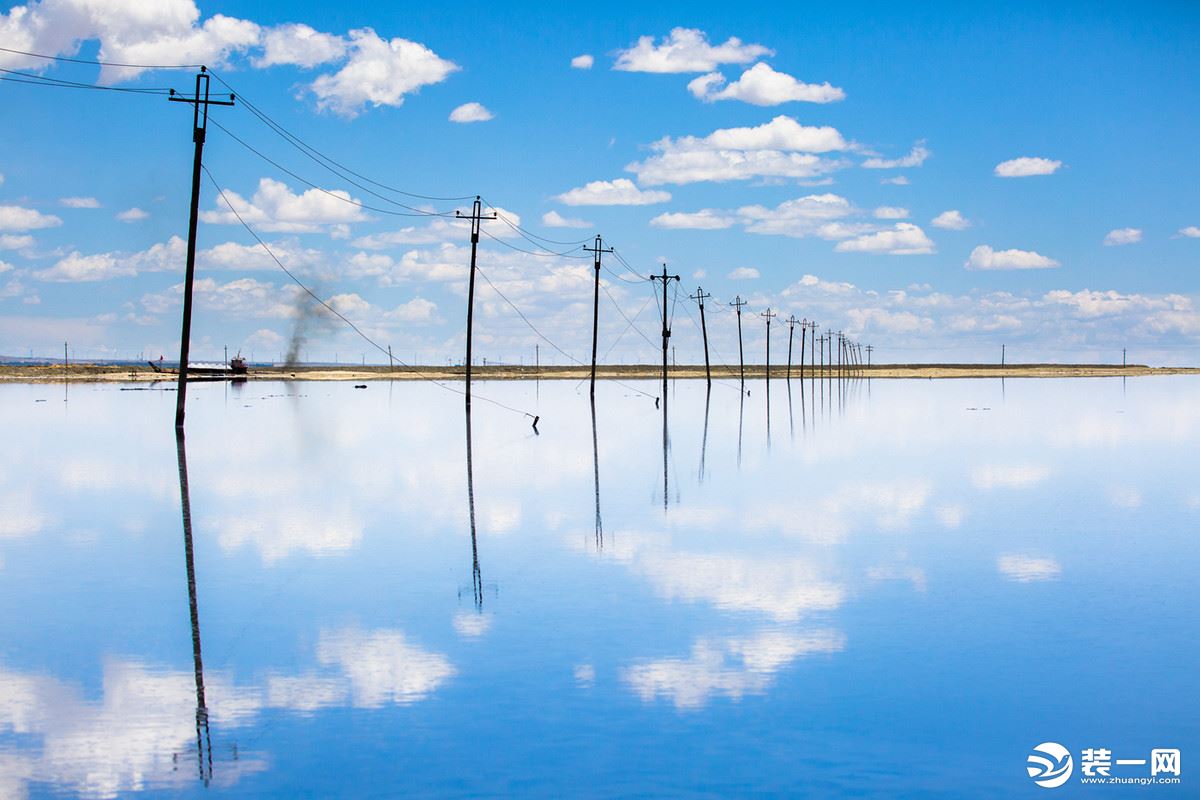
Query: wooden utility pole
(870,349)
(597,251)
(737,303)
(200,104)
(812,348)
(476,216)
(767,315)
(1002,354)
(791,321)
(666,327)
(700,297)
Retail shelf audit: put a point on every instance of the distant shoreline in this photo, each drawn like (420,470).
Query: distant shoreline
(83,372)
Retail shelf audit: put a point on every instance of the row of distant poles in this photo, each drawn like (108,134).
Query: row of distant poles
(848,352)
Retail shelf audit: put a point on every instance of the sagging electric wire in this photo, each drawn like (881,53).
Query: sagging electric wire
(527,234)
(60,83)
(546,338)
(547,254)
(334,195)
(323,159)
(343,318)
(99,63)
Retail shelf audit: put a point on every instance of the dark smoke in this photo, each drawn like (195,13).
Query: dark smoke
(311,318)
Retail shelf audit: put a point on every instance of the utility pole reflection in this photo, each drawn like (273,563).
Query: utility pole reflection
(203,737)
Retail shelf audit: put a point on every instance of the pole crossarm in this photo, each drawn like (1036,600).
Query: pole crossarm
(476,217)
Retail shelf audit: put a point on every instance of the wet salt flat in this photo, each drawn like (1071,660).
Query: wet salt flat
(884,590)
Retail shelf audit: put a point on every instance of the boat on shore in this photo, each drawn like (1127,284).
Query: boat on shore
(236,369)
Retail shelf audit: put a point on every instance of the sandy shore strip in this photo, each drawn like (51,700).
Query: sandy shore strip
(125,373)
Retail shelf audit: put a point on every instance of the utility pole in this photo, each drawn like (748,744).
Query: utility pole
(597,251)
(700,297)
(767,315)
(870,348)
(812,347)
(391,364)
(1002,347)
(1123,364)
(791,321)
(200,104)
(666,328)
(737,303)
(829,344)
(476,218)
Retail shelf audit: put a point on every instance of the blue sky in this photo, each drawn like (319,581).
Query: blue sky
(805,159)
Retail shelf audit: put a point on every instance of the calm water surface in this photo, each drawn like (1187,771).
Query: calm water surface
(891,590)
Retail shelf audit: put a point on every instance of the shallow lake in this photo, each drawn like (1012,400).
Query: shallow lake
(883,589)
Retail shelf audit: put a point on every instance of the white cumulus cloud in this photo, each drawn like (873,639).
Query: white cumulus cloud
(762,86)
(743,274)
(552,219)
(379,73)
(471,112)
(1191,231)
(891,212)
(951,220)
(686,50)
(705,220)
(17,218)
(1121,236)
(915,158)
(619,192)
(132,215)
(904,239)
(300,45)
(79,202)
(584,61)
(779,148)
(984,257)
(275,207)
(1026,166)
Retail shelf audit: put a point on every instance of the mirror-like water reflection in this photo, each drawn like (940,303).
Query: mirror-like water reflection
(900,589)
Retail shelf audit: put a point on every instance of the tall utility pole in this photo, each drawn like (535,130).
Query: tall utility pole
(870,348)
(737,303)
(476,218)
(1002,354)
(812,347)
(767,315)
(200,104)
(597,251)
(666,328)
(1123,364)
(792,322)
(700,297)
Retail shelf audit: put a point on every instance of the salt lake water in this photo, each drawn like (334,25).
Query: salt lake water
(884,589)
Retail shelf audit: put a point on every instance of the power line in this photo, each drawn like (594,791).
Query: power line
(350,201)
(99,63)
(316,154)
(543,336)
(547,254)
(341,316)
(59,83)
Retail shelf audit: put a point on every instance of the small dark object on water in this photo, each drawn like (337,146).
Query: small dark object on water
(535,422)
(656,402)
(360,386)
(43,400)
